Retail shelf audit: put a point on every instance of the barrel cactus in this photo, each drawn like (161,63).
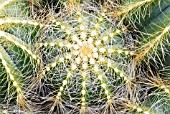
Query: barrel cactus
(18,58)
(86,57)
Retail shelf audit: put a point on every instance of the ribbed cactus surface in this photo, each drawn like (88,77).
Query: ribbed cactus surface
(88,58)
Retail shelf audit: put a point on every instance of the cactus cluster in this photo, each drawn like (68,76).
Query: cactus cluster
(85,57)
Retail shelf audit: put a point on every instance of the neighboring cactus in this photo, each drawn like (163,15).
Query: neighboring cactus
(152,50)
(83,59)
(18,59)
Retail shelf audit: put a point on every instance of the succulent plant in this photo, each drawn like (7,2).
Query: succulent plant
(18,58)
(108,58)
(151,20)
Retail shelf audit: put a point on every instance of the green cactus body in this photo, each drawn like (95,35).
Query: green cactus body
(84,58)
(152,48)
(18,59)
